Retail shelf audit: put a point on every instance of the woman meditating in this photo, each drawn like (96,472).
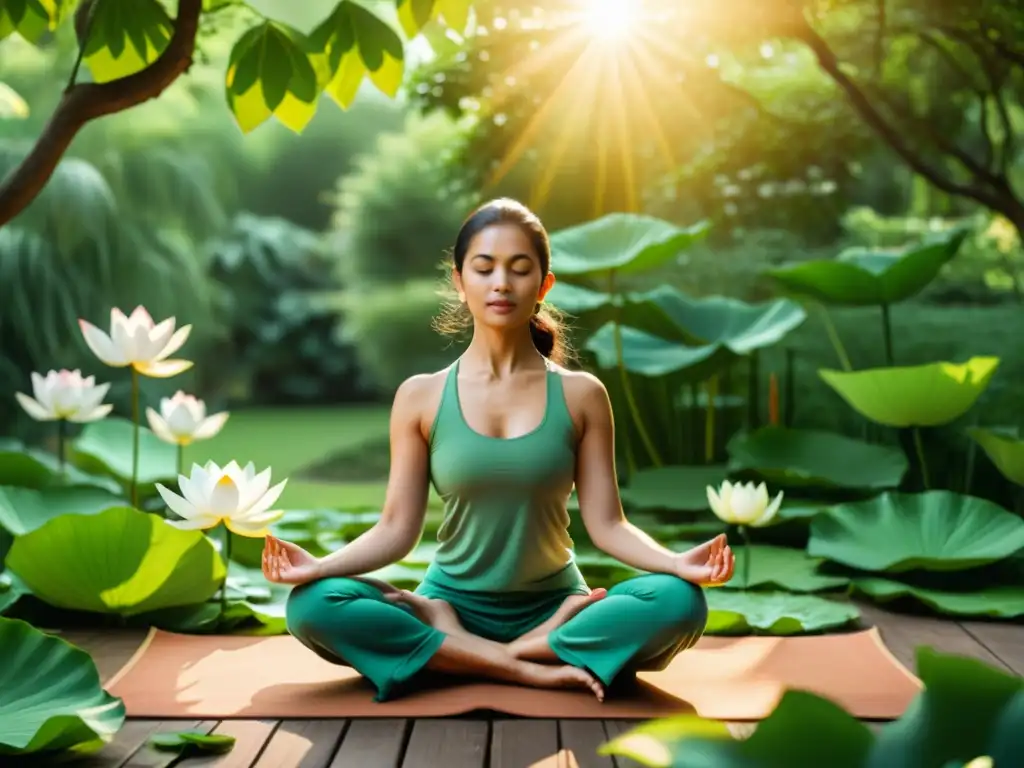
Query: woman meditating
(503,434)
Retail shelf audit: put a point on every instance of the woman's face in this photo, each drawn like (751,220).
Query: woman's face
(501,277)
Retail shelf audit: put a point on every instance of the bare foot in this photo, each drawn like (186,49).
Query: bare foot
(544,676)
(572,605)
(437,613)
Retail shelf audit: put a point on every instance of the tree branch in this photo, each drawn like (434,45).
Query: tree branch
(829,62)
(84,102)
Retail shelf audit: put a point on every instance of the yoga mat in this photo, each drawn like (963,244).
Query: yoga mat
(222,677)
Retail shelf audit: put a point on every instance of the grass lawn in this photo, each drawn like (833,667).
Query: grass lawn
(333,457)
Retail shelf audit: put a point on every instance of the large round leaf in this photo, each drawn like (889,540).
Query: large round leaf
(672,488)
(652,356)
(622,243)
(864,277)
(935,530)
(1004,448)
(25,509)
(914,396)
(106,446)
(51,698)
(807,457)
(119,561)
(1000,602)
(735,612)
(31,468)
(784,568)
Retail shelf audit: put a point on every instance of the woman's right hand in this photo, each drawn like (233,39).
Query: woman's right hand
(288,563)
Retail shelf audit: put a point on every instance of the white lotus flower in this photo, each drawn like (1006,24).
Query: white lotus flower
(239,498)
(743,504)
(183,420)
(66,395)
(138,342)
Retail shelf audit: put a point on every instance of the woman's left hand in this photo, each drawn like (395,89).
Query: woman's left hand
(710,564)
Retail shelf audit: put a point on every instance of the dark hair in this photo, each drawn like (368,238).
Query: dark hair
(545,324)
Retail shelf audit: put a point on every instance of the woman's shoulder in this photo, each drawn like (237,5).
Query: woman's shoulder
(580,387)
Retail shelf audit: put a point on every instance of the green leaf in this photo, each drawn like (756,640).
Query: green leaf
(619,243)
(1006,740)
(935,530)
(656,742)
(126,36)
(119,561)
(12,589)
(31,468)
(652,356)
(862,277)
(351,42)
(672,488)
(193,742)
(29,18)
(414,15)
(914,396)
(25,509)
(270,74)
(1004,448)
(51,699)
(783,568)
(106,446)
(951,719)
(454,13)
(998,602)
(795,458)
(735,612)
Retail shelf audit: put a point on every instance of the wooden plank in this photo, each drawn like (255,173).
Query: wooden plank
(147,757)
(110,649)
(127,741)
(579,740)
(903,633)
(614,729)
(1004,641)
(251,737)
(372,744)
(302,744)
(448,743)
(523,743)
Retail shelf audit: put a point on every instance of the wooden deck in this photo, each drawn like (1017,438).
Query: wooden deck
(481,740)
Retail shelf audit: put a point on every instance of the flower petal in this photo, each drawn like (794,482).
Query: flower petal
(162,369)
(715,503)
(177,504)
(160,427)
(265,502)
(97,413)
(157,338)
(207,521)
(210,426)
(33,408)
(253,489)
(102,345)
(177,340)
(224,497)
(250,531)
(770,512)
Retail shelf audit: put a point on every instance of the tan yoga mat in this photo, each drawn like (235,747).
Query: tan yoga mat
(223,677)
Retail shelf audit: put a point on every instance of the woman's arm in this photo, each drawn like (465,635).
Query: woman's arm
(401,522)
(598,490)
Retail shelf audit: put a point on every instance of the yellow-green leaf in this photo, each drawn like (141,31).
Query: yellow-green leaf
(270,74)
(125,37)
(11,103)
(414,15)
(352,27)
(454,13)
(29,18)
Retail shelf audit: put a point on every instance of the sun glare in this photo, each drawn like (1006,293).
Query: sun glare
(610,19)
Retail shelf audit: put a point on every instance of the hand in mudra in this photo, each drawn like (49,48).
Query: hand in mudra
(288,563)
(710,564)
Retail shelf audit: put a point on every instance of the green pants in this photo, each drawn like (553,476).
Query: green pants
(641,624)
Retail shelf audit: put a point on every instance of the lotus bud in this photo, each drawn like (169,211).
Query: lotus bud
(743,504)
(182,420)
(139,343)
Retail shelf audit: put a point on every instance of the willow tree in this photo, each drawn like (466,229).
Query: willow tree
(131,51)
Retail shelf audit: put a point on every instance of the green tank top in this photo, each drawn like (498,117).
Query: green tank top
(505,526)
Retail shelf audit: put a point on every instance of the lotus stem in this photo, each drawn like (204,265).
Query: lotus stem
(62,434)
(972,452)
(753,391)
(773,399)
(181,457)
(833,337)
(789,386)
(887,335)
(227,568)
(627,390)
(745,535)
(709,419)
(135,438)
(922,462)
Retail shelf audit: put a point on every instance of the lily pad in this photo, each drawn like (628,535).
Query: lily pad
(25,509)
(31,468)
(872,277)
(672,488)
(106,447)
(935,530)
(652,356)
(192,743)
(1000,602)
(806,457)
(51,699)
(620,243)
(914,396)
(1004,448)
(735,612)
(12,589)
(119,561)
(783,568)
